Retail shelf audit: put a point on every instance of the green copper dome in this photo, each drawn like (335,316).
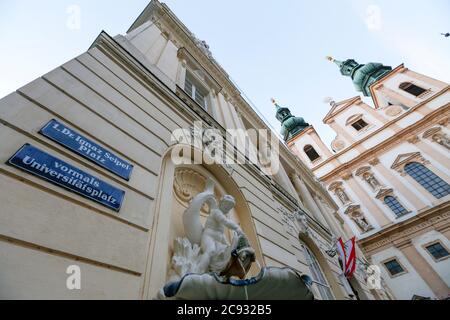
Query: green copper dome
(291,126)
(363,75)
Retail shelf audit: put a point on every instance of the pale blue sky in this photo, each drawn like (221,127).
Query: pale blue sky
(270,48)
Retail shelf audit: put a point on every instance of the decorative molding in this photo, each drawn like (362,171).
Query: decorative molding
(384,193)
(335,185)
(351,209)
(403,159)
(338,108)
(437,135)
(362,170)
(347,176)
(187,184)
(203,46)
(417,224)
(374,161)
(413,139)
(393,111)
(295,222)
(402,243)
(430,132)
(354,118)
(444,122)
(338,145)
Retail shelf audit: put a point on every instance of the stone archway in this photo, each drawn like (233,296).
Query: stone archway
(177,186)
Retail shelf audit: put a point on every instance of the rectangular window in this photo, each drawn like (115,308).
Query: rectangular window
(437,250)
(412,89)
(359,125)
(394,267)
(196,91)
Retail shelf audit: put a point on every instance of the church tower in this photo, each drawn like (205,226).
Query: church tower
(388,169)
(362,75)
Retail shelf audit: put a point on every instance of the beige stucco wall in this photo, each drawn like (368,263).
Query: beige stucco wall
(125,100)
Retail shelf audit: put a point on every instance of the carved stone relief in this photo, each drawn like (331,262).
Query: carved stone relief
(393,111)
(355,213)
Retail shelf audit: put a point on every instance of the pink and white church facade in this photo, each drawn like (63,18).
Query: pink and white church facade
(389,170)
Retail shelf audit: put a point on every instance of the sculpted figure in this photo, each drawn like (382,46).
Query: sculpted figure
(342,196)
(372,181)
(215,250)
(362,223)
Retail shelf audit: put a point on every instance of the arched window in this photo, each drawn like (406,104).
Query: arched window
(311,153)
(412,89)
(317,274)
(395,206)
(427,179)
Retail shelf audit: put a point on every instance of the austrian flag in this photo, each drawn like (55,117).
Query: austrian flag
(347,253)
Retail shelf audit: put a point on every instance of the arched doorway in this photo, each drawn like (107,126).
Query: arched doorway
(323,277)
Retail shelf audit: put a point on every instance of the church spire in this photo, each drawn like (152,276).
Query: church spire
(363,75)
(291,125)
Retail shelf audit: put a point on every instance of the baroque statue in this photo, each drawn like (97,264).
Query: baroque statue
(372,181)
(342,196)
(205,248)
(206,266)
(362,223)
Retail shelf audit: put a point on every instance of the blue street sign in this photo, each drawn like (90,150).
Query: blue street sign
(58,172)
(86,148)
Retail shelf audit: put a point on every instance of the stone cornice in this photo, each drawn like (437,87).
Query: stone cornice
(161,15)
(404,231)
(185,55)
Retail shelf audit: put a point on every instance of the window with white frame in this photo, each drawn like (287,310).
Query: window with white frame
(428,179)
(312,154)
(413,89)
(359,124)
(396,207)
(437,251)
(196,90)
(394,267)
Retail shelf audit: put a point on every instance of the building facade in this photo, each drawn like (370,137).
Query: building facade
(388,169)
(89,183)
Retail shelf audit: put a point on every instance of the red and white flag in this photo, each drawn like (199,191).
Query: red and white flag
(347,253)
